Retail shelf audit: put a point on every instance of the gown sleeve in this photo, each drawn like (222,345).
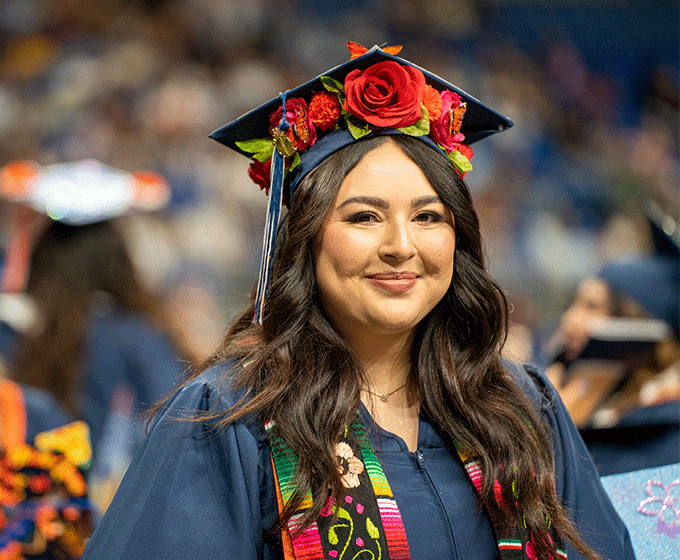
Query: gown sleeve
(193,490)
(578,483)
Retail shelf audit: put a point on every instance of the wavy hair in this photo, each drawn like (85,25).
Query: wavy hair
(298,371)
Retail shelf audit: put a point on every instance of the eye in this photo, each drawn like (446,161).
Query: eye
(362,218)
(430,216)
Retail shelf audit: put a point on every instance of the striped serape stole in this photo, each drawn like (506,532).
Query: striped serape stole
(515,542)
(367,524)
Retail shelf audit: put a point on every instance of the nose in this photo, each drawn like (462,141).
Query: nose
(397,243)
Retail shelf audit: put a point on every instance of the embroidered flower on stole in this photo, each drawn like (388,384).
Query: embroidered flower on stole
(348,465)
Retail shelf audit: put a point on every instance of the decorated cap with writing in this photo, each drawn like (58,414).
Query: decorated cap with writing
(375,93)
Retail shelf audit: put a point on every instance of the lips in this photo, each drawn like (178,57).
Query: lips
(394,281)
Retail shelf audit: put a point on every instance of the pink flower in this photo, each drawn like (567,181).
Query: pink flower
(446,129)
(327,510)
(301,132)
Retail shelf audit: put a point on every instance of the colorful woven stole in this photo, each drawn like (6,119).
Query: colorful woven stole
(369,520)
(515,542)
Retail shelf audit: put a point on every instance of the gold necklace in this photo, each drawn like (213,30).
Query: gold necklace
(385,396)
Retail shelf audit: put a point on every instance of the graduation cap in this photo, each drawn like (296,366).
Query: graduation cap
(81,192)
(375,93)
(75,193)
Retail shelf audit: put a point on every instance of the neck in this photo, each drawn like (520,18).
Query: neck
(386,359)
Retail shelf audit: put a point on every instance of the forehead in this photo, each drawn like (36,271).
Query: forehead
(385,172)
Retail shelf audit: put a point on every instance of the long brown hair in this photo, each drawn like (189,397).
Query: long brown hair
(299,372)
(70,266)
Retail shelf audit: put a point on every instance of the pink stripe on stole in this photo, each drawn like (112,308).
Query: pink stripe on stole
(394,529)
(475,474)
(307,545)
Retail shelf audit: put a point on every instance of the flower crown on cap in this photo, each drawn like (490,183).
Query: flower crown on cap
(386,95)
(375,92)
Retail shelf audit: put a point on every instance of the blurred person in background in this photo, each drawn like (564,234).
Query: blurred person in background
(360,407)
(625,398)
(45,511)
(102,345)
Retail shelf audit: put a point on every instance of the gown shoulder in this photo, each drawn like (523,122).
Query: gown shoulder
(196,488)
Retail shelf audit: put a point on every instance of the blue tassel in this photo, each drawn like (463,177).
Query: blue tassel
(271,222)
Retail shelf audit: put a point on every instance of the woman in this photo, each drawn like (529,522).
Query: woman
(628,414)
(102,348)
(369,414)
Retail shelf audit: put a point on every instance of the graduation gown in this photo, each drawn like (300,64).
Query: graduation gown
(646,438)
(124,351)
(194,491)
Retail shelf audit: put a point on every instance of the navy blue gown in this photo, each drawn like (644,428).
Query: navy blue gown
(43,412)
(194,491)
(125,352)
(646,438)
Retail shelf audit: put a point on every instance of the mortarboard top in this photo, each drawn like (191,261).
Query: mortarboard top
(652,280)
(82,192)
(479,122)
(389,95)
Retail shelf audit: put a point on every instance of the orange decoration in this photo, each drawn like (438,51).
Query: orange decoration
(151,190)
(356,50)
(16,178)
(433,103)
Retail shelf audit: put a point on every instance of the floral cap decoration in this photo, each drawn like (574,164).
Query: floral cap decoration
(375,93)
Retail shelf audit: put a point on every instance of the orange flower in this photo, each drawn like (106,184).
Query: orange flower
(324,109)
(432,102)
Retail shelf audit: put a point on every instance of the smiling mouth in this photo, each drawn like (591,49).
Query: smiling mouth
(394,281)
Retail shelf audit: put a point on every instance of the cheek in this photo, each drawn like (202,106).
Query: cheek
(344,252)
(441,251)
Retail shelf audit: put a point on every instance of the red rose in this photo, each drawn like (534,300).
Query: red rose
(386,94)
(301,132)
(260,173)
(442,130)
(324,110)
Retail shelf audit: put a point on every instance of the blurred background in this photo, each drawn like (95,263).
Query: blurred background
(592,86)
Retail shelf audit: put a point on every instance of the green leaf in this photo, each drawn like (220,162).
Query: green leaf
(295,162)
(266,154)
(332,85)
(357,131)
(460,162)
(372,529)
(255,145)
(343,514)
(420,128)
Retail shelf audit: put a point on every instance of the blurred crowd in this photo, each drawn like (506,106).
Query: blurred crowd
(139,84)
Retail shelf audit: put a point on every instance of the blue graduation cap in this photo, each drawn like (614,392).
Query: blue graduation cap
(375,93)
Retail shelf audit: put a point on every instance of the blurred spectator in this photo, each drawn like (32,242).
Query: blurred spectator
(103,345)
(622,385)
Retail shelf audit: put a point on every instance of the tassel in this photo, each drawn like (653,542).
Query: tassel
(284,148)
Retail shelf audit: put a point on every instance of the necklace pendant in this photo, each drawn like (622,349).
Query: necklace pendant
(384,397)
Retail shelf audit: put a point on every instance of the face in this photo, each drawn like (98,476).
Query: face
(384,254)
(592,301)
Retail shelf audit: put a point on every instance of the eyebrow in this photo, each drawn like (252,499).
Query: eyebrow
(383,204)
